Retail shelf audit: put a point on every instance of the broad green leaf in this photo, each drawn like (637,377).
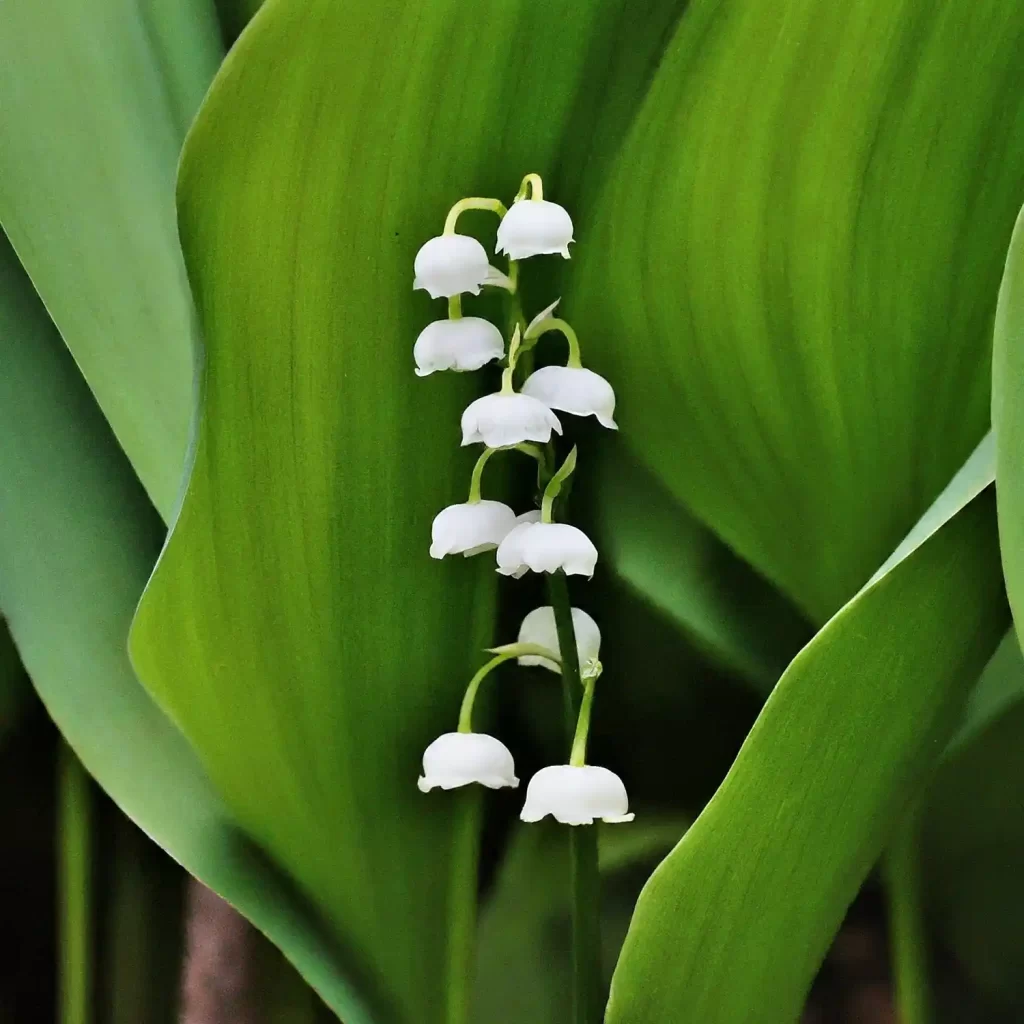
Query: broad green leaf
(790,276)
(1000,686)
(847,736)
(1008,418)
(96,101)
(295,627)
(77,542)
(974,832)
(679,566)
(522,969)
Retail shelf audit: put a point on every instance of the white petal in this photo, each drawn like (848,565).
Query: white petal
(464,344)
(509,556)
(459,758)
(546,547)
(575,390)
(539,628)
(534,227)
(533,516)
(500,421)
(449,265)
(470,528)
(576,795)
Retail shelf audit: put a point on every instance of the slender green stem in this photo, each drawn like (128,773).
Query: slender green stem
(906,922)
(75,888)
(533,185)
(588,996)
(473,203)
(578,757)
(477,477)
(554,323)
(466,711)
(455,307)
(554,488)
(463,912)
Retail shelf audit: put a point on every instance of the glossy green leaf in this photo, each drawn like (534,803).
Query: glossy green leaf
(686,573)
(96,101)
(295,627)
(77,541)
(1000,686)
(847,736)
(974,832)
(791,274)
(1008,418)
(522,971)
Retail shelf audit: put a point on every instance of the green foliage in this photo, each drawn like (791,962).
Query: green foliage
(789,245)
(92,121)
(791,273)
(848,735)
(69,597)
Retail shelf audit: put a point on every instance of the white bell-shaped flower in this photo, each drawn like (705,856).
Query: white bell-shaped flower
(464,344)
(539,628)
(546,547)
(470,528)
(449,265)
(576,795)
(458,758)
(534,227)
(501,420)
(575,390)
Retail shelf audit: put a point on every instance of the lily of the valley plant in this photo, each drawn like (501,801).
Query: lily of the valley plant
(385,692)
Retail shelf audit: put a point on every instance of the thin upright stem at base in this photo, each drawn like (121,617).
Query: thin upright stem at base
(587,991)
(75,888)
(906,923)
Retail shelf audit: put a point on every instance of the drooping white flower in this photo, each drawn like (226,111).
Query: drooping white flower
(534,227)
(575,390)
(470,528)
(539,628)
(546,547)
(458,758)
(449,265)
(533,516)
(501,420)
(464,344)
(576,795)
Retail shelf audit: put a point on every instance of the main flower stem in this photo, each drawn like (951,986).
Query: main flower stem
(75,888)
(587,987)
(906,922)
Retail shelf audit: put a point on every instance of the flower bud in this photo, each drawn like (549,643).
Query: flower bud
(546,547)
(501,420)
(534,227)
(464,344)
(459,758)
(539,628)
(449,265)
(470,528)
(575,390)
(576,795)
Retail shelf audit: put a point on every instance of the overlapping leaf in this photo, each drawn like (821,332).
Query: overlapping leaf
(295,627)
(77,542)
(1008,418)
(96,101)
(792,273)
(848,734)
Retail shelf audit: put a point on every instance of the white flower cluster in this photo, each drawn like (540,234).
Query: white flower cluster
(450,266)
